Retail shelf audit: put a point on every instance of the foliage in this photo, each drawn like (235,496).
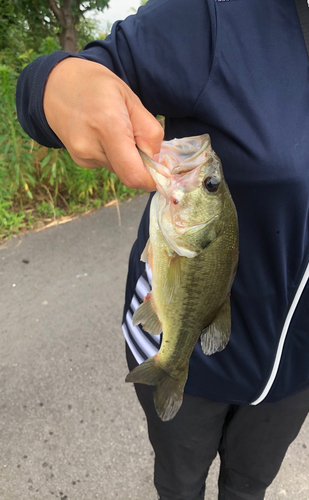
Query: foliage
(16,148)
(57,18)
(39,185)
(6,20)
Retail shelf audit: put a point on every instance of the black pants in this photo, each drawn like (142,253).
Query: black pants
(251,440)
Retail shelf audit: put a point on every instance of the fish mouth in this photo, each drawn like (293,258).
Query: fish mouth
(154,167)
(194,161)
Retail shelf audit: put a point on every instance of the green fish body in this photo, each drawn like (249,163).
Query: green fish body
(193,253)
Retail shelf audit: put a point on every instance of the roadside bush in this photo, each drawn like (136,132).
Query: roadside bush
(38,184)
(31,175)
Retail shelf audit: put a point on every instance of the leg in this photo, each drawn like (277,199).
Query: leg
(185,446)
(254,444)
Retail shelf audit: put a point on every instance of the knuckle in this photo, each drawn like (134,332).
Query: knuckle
(80,149)
(130,183)
(156,132)
(79,162)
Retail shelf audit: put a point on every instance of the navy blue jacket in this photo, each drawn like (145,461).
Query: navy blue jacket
(237,70)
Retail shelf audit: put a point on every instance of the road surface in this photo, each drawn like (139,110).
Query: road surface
(70,427)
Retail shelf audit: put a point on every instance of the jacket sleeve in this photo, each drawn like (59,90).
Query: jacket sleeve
(163,53)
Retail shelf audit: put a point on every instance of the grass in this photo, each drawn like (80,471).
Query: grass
(41,186)
(58,203)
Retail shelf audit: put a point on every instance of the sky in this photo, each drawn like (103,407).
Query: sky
(118,9)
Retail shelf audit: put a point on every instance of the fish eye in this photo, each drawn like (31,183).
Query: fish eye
(211,184)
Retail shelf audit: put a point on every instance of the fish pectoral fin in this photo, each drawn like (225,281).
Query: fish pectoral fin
(145,257)
(214,338)
(147,316)
(172,278)
(168,394)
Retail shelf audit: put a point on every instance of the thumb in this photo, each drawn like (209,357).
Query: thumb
(148,133)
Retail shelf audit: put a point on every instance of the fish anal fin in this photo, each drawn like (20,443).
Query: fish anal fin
(168,394)
(147,316)
(148,372)
(215,337)
(172,279)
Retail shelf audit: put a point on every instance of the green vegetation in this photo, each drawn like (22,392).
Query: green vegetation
(60,17)
(39,185)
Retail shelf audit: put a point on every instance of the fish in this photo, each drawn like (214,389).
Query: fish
(193,254)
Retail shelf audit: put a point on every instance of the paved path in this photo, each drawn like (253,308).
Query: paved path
(70,428)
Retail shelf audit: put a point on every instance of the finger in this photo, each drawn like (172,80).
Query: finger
(122,154)
(148,132)
(92,164)
(97,158)
(129,167)
(123,159)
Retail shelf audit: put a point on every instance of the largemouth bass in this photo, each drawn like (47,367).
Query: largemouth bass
(192,252)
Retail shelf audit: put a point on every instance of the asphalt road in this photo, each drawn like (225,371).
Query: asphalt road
(70,428)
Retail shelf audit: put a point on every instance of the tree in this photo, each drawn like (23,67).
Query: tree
(6,20)
(47,15)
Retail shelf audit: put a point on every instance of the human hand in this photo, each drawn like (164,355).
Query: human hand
(100,120)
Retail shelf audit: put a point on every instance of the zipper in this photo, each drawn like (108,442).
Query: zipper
(283,335)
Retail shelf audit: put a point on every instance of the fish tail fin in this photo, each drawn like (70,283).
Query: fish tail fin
(168,394)
(168,397)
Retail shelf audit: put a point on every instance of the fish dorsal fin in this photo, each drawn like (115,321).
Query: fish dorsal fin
(214,338)
(172,279)
(147,316)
